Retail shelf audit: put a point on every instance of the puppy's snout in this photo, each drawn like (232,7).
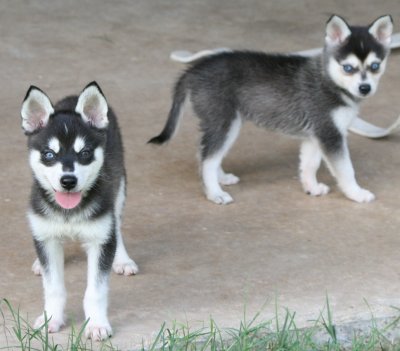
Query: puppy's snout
(364,89)
(68,182)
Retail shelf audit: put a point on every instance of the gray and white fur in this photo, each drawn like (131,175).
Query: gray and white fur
(312,98)
(78,192)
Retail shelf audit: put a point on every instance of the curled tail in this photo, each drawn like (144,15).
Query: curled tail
(175,113)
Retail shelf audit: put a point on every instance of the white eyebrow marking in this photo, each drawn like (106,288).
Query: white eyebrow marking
(371,58)
(351,60)
(54,145)
(79,144)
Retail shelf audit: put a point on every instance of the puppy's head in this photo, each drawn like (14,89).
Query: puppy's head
(356,56)
(66,146)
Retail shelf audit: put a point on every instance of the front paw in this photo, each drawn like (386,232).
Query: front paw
(52,324)
(361,195)
(98,332)
(220,198)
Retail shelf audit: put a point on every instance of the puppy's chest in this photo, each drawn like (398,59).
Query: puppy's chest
(343,117)
(78,227)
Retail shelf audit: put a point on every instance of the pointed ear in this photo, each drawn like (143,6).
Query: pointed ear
(36,110)
(382,29)
(337,31)
(92,106)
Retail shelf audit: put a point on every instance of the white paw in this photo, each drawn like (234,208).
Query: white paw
(220,198)
(228,179)
(97,332)
(53,324)
(317,189)
(126,268)
(37,267)
(361,195)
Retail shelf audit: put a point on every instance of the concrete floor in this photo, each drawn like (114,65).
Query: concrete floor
(198,259)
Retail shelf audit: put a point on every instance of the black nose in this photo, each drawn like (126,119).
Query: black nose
(364,89)
(68,182)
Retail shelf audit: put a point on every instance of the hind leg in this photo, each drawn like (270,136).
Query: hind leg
(122,264)
(215,145)
(310,160)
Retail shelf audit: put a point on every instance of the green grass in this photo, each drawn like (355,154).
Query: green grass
(277,334)
(20,335)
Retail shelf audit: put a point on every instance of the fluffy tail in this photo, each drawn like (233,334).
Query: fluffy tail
(184,56)
(175,113)
(364,128)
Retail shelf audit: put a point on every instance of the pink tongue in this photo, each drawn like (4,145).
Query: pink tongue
(68,200)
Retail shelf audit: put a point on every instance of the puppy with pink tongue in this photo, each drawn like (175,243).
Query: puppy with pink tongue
(78,192)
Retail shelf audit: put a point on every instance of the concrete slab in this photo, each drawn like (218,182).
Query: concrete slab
(198,259)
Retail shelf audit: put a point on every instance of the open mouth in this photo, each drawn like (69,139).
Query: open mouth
(68,200)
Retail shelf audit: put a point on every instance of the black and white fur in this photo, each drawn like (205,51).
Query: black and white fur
(313,98)
(75,150)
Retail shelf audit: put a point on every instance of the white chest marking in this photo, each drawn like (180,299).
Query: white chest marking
(77,227)
(344,116)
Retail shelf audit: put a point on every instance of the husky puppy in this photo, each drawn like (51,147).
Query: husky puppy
(78,191)
(313,98)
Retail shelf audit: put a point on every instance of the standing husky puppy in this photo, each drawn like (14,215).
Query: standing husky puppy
(76,155)
(314,98)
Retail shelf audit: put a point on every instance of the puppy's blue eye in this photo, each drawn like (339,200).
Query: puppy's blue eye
(48,155)
(348,68)
(375,66)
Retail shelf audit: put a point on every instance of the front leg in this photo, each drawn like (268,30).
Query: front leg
(51,256)
(95,303)
(337,157)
